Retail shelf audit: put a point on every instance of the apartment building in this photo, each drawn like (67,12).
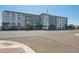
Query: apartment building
(19,20)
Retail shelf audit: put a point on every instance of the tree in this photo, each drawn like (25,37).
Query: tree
(5,26)
(52,27)
(77,27)
(29,26)
(70,27)
(65,26)
(40,26)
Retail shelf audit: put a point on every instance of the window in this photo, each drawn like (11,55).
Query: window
(22,14)
(19,17)
(8,13)
(18,14)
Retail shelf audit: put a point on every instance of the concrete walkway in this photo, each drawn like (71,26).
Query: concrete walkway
(14,47)
(76,34)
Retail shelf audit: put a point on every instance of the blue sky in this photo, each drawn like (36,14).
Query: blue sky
(70,11)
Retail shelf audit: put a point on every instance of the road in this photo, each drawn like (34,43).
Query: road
(45,41)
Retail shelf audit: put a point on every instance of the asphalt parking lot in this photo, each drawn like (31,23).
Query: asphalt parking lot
(45,41)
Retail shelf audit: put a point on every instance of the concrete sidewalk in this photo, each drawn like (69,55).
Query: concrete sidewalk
(14,47)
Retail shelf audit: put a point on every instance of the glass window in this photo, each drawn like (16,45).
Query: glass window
(19,17)
(18,14)
(22,14)
(8,13)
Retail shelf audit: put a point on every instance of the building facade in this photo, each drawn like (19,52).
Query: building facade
(18,20)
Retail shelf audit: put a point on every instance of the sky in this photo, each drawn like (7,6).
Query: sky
(70,11)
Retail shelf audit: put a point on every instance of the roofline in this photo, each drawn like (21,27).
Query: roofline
(19,12)
(53,15)
(32,14)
